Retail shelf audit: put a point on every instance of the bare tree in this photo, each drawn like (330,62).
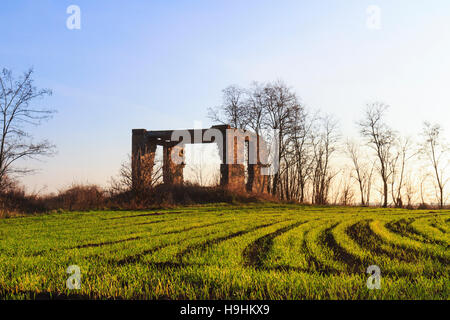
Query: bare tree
(362,171)
(345,190)
(411,190)
(18,109)
(280,105)
(254,108)
(381,139)
(232,111)
(398,165)
(302,132)
(265,108)
(325,138)
(423,178)
(124,180)
(436,150)
(254,117)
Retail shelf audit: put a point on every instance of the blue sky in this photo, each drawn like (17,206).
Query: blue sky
(161,64)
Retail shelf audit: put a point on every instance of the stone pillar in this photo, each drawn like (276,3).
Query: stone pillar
(142,159)
(172,168)
(257,151)
(232,171)
(232,176)
(257,182)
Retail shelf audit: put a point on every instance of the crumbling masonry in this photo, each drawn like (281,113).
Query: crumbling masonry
(231,142)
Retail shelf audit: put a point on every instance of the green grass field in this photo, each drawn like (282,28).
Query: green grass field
(257,251)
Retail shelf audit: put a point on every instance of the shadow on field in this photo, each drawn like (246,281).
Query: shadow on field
(193,227)
(150,222)
(363,235)
(403,228)
(353,263)
(202,246)
(91,245)
(179,257)
(146,215)
(255,253)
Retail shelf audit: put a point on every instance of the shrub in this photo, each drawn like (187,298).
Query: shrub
(14,201)
(78,197)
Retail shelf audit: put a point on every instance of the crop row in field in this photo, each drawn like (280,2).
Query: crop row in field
(259,251)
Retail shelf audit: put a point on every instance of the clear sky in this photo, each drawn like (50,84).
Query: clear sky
(161,64)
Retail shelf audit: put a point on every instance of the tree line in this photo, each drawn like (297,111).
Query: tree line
(311,150)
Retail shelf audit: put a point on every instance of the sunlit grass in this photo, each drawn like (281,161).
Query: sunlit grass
(257,251)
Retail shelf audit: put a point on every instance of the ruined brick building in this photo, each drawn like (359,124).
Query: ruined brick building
(238,149)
